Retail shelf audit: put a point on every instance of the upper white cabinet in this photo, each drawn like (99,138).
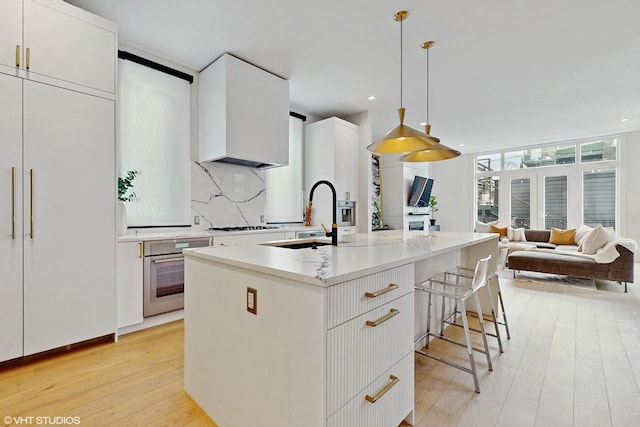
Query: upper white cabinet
(244,114)
(54,42)
(331,153)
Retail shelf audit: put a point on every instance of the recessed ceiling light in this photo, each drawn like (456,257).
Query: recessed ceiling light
(461,145)
(625,119)
(371,98)
(423,124)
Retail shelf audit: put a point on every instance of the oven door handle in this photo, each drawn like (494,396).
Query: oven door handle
(163,260)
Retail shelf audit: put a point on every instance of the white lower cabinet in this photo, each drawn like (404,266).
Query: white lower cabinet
(393,395)
(369,348)
(129,279)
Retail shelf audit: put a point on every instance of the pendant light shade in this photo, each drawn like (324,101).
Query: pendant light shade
(435,152)
(402,138)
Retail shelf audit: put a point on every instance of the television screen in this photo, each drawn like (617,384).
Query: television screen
(420,191)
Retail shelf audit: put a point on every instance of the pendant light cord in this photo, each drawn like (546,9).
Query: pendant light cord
(428,86)
(401,63)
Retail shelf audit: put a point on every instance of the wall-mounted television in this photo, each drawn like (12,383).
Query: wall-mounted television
(420,191)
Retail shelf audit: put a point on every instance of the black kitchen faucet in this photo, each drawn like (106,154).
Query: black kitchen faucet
(334,227)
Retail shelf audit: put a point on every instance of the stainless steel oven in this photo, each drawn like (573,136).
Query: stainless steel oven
(164,274)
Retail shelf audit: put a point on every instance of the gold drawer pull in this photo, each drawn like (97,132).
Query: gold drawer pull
(392,312)
(391,287)
(393,380)
(140,249)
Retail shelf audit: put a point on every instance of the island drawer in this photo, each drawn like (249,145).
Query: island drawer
(395,395)
(360,350)
(352,298)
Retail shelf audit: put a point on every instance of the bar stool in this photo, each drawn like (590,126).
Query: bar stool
(459,294)
(501,265)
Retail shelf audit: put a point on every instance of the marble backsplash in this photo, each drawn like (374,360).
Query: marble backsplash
(225,195)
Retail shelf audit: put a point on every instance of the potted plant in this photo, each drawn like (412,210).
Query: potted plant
(124,185)
(433,208)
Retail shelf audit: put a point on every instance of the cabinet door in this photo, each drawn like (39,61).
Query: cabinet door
(69,254)
(10,32)
(129,280)
(69,44)
(10,208)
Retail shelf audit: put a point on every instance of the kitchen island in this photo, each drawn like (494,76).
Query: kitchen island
(313,337)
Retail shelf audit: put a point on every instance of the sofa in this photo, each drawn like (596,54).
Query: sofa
(613,260)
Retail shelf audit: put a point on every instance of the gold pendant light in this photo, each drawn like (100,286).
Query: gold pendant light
(402,138)
(437,151)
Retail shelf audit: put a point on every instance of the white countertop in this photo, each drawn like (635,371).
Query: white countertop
(187,232)
(328,265)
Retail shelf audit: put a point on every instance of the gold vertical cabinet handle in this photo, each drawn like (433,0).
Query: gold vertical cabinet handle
(28,58)
(17,55)
(140,248)
(31,203)
(393,380)
(13,202)
(391,287)
(374,323)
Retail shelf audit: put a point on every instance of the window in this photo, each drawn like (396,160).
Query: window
(154,122)
(555,202)
(539,157)
(598,151)
(599,204)
(488,162)
(284,184)
(488,190)
(521,203)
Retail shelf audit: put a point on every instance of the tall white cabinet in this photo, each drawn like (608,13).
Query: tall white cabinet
(57,194)
(331,153)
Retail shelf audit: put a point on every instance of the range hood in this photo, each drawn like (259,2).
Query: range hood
(244,115)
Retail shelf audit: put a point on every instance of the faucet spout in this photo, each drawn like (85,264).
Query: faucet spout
(334,227)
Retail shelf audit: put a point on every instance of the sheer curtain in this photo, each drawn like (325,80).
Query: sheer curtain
(154,119)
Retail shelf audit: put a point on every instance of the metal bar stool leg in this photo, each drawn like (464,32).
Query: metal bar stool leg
(483,330)
(504,314)
(494,316)
(467,338)
(428,320)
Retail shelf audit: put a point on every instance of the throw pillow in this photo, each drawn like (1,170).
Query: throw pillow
(595,240)
(516,234)
(562,237)
(481,227)
(500,230)
(581,233)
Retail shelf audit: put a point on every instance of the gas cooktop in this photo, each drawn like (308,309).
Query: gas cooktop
(244,228)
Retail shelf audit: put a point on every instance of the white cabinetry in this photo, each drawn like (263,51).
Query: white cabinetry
(54,42)
(244,114)
(331,153)
(129,279)
(57,170)
(322,350)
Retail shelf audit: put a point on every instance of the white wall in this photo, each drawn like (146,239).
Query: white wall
(629,178)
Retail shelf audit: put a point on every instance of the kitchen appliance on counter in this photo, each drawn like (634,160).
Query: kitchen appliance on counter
(245,228)
(164,274)
(346,213)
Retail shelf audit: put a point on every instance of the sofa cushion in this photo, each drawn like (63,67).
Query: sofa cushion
(500,230)
(581,233)
(562,237)
(596,239)
(544,245)
(481,227)
(537,235)
(516,234)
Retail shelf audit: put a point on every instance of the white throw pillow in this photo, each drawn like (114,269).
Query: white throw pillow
(481,227)
(595,240)
(581,233)
(516,234)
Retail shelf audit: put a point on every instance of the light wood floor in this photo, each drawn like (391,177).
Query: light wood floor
(573,360)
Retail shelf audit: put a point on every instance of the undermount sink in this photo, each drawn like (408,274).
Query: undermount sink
(298,243)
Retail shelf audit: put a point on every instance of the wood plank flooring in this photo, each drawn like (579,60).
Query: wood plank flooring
(573,360)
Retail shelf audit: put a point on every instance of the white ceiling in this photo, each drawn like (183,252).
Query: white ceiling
(503,73)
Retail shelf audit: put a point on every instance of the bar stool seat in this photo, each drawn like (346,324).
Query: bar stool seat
(467,273)
(459,294)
